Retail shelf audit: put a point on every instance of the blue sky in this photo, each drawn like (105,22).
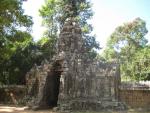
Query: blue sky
(108,14)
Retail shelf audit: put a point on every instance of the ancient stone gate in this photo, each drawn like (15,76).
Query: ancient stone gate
(71,81)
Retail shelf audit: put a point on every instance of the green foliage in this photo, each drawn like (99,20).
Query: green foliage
(47,47)
(13,71)
(139,67)
(141,64)
(127,44)
(14,40)
(11,20)
(126,39)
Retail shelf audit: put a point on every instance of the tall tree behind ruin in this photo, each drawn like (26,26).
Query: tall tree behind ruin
(129,45)
(54,14)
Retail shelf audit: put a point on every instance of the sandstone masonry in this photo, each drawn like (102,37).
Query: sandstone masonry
(71,81)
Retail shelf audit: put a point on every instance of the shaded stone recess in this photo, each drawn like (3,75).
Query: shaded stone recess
(71,81)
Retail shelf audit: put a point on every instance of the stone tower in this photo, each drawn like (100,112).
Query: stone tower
(71,81)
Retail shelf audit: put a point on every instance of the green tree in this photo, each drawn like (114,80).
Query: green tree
(12,19)
(141,64)
(55,12)
(22,61)
(126,40)
(45,46)
(14,34)
(124,43)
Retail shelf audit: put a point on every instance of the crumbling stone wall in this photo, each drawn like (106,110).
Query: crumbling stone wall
(135,95)
(41,85)
(80,83)
(95,87)
(12,94)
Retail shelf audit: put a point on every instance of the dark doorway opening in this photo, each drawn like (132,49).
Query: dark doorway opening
(52,85)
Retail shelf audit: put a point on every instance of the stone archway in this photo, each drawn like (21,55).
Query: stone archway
(52,85)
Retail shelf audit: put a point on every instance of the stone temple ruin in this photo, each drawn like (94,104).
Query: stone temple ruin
(71,81)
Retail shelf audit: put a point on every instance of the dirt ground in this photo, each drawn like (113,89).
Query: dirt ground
(13,109)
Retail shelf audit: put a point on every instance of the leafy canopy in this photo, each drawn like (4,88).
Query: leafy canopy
(129,46)
(12,19)
(14,39)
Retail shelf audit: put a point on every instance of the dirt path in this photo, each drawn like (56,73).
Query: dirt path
(12,109)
